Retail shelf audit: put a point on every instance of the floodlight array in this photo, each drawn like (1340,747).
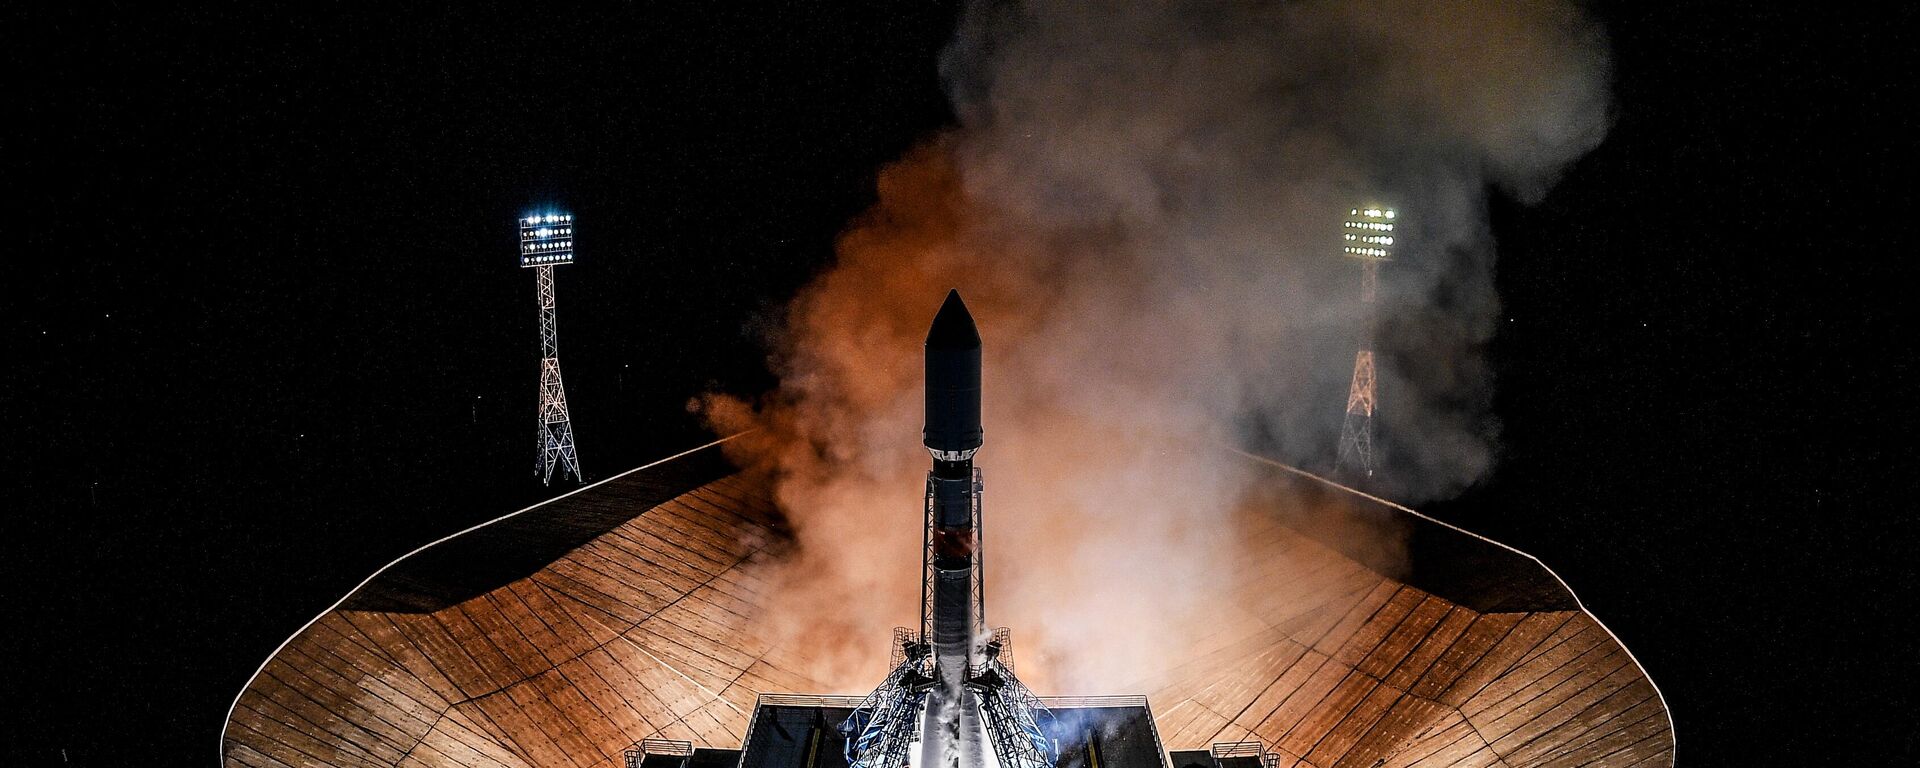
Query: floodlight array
(1369,233)
(546,239)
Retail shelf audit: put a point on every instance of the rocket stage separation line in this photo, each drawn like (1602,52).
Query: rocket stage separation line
(383,569)
(1556,577)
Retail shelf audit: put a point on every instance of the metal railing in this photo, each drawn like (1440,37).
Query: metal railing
(1229,749)
(1082,702)
(904,639)
(666,747)
(1237,749)
(808,700)
(636,755)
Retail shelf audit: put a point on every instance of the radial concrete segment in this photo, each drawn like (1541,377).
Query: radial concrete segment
(621,612)
(634,625)
(1436,648)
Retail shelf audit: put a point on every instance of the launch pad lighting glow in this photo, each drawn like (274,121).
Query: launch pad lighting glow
(1369,234)
(546,240)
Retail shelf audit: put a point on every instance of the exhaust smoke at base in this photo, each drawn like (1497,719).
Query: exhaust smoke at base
(1144,203)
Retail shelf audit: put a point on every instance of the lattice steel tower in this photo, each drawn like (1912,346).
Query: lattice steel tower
(1369,239)
(546,241)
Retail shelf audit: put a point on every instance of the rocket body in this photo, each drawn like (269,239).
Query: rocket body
(952,734)
(972,712)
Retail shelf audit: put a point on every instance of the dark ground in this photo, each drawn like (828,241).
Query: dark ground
(254,284)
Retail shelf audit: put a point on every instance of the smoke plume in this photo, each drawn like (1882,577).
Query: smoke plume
(1142,204)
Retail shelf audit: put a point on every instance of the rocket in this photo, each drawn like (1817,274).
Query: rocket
(952,735)
(953,688)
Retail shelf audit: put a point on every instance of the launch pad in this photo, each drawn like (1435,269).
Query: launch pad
(612,627)
(637,627)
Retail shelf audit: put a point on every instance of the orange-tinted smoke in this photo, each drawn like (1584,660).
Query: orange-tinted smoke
(1141,206)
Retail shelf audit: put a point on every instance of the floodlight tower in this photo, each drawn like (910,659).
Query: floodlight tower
(1368,239)
(546,241)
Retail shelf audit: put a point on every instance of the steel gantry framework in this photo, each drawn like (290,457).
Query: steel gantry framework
(884,729)
(546,241)
(1368,238)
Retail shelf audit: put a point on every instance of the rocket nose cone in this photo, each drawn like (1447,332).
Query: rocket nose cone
(953,379)
(953,326)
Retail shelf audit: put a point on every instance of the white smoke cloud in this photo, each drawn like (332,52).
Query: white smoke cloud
(1142,204)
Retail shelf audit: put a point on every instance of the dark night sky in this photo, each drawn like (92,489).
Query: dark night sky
(264,332)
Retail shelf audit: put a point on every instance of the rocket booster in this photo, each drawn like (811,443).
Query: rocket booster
(952,735)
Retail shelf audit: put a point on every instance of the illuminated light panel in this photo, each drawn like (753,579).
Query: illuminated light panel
(1369,233)
(546,239)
